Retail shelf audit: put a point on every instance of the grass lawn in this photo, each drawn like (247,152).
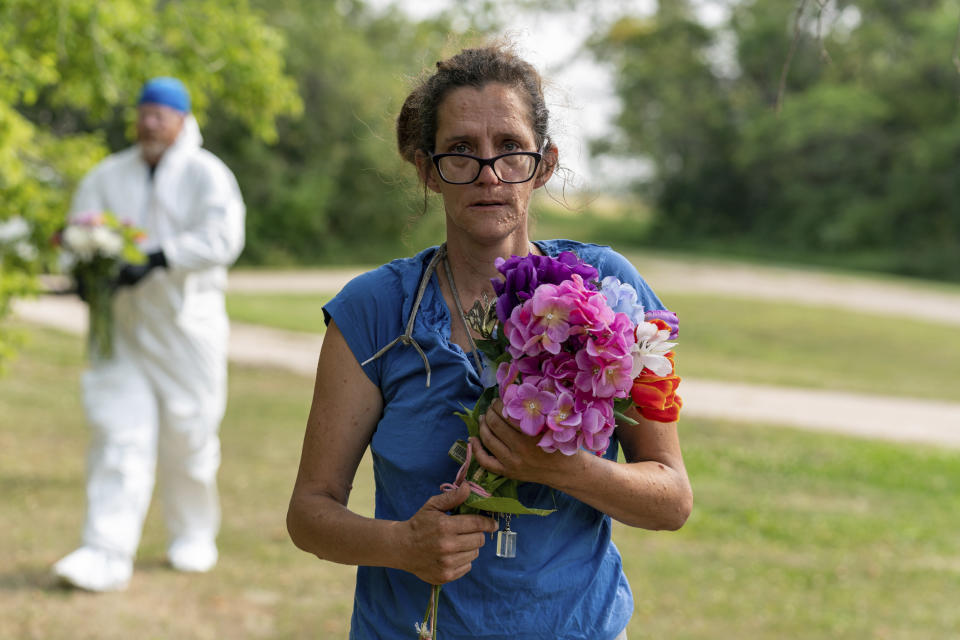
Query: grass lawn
(750,340)
(293,312)
(794,534)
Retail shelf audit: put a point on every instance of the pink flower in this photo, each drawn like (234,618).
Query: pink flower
(615,342)
(520,330)
(597,414)
(562,366)
(522,369)
(597,442)
(529,405)
(550,442)
(563,416)
(552,310)
(591,310)
(507,373)
(597,424)
(604,378)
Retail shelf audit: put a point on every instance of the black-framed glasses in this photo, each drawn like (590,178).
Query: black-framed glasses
(513,168)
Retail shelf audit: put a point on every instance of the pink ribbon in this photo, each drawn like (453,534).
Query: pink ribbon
(461,477)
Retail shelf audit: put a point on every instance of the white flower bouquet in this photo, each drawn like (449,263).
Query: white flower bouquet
(95,247)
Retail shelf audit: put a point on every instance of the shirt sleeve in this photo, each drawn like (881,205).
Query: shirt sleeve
(368,313)
(612,263)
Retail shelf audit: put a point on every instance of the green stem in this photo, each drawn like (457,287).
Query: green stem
(429,627)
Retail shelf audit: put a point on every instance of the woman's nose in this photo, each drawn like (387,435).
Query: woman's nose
(487,176)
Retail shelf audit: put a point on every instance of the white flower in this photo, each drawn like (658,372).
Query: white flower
(25,251)
(78,240)
(650,350)
(13,230)
(107,241)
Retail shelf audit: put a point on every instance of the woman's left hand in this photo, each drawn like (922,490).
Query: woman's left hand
(511,453)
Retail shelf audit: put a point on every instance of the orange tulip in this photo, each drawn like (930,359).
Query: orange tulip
(656,396)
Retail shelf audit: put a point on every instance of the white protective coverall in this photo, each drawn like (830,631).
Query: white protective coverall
(155,407)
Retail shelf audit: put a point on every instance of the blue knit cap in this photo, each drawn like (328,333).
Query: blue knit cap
(166,91)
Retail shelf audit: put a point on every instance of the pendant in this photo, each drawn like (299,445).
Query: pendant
(507,542)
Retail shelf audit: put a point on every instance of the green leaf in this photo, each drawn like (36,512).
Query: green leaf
(489,348)
(620,407)
(468,417)
(133,255)
(499,504)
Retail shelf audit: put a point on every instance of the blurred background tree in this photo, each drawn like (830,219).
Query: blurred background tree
(846,155)
(333,189)
(70,72)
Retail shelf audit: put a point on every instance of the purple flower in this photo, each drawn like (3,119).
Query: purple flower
(521,276)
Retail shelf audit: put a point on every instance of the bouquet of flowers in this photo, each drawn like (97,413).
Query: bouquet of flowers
(95,246)
(568,354)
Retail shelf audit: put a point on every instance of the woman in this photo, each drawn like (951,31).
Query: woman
(397,362)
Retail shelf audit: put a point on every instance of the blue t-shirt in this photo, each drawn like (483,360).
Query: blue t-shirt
(567,580)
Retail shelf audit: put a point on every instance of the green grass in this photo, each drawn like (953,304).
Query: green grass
(757,341)
(293,312)
(794,535)
(749,340)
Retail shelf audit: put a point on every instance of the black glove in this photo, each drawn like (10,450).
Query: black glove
(81,290)
(131,274)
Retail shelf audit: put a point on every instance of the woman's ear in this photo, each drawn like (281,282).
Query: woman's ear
(426,171)
(547,165)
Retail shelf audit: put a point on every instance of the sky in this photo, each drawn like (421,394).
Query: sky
(579,91)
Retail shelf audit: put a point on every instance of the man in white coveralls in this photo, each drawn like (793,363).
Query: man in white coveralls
(155,406)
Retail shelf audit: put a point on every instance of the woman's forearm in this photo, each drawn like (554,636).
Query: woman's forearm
(434,546)
(651,490)
(321,525)
(646,494)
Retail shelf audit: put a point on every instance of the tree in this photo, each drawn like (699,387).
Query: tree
(677,111)
(69,75)
(333,188)
(831,131)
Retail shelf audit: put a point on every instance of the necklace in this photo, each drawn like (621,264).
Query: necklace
(463,317)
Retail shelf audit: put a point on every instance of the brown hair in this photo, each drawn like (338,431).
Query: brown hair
(417,122)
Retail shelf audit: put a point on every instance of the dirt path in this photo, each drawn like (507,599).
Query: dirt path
(899,419)
(888,296)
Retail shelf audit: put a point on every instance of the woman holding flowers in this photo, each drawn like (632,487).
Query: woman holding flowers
(400,360)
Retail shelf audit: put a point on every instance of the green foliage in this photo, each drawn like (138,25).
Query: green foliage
(333,188)
(850,159)
(69,76)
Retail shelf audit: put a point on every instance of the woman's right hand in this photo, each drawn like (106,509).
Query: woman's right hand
(440,547)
